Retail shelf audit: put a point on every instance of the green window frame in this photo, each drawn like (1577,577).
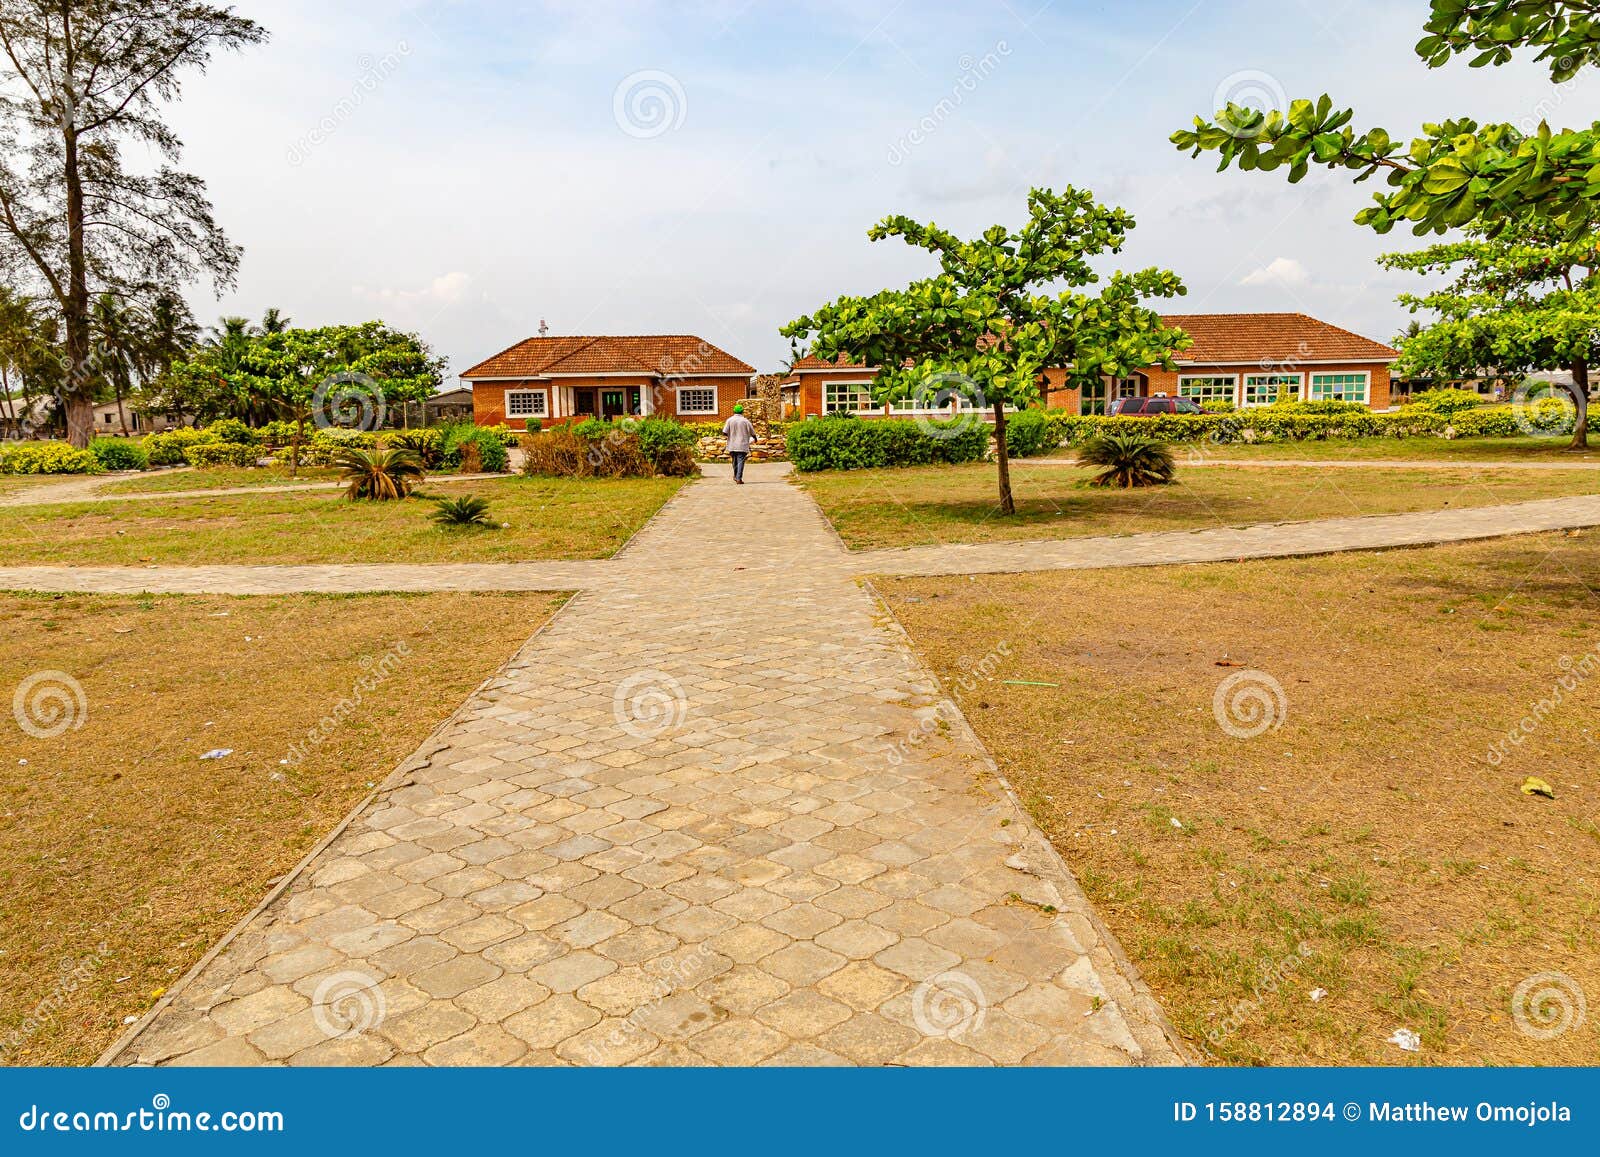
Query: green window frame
(1265,389)
(1209,388)
(1340,387)
(846,397)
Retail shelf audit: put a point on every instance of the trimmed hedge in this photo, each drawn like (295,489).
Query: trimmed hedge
(845,442)
(119,454)
(232,430)
(1546,416)
(1447,401)
(47,458)
(1029,434)
(204,454)
(1293,422)
(167,448)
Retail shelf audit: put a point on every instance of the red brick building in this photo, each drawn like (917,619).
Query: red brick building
(1248,359)
(553,378)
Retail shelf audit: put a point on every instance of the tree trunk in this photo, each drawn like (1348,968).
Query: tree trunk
(1003,459)
(75,312)
(294,445)
(1580,398)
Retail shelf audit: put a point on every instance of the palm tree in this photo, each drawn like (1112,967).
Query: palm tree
(273,321)
(169,335)
(1128,459)
(380,474)
(471,510)
(113,329)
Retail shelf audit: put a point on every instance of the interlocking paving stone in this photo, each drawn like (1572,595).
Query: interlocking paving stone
(680,827)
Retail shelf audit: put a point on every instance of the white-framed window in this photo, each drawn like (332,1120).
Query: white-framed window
(527,403)
(846,397)
(1342,387)
(1209,388)
(1264,389)
(697,400)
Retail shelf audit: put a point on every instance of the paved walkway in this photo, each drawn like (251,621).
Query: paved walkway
(1170,547)
(707,816)
(1277,540)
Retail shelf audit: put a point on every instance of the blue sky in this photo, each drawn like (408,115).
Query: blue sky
(465,168)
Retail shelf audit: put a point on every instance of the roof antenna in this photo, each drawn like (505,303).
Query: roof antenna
(543,328)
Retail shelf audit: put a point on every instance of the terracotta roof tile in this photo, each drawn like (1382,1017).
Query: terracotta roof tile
(1272,337)
(602,354)
(1242,338)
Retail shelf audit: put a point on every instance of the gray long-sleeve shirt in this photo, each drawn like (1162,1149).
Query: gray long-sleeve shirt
(740,434)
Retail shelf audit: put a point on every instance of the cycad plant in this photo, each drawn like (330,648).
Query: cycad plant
(1127,459)
(469,511)
(380,474)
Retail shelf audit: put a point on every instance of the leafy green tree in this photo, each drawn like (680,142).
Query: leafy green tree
(83,81)
(1519,300)
(982,331)
(1456,171)
(338,375)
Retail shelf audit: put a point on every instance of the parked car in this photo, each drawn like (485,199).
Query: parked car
(1159,404)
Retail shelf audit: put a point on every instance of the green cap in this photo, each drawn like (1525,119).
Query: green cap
(738,407)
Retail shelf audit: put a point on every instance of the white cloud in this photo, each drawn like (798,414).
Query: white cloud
(444,290)
(1279,271)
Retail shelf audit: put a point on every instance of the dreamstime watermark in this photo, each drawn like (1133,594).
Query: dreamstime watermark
(667,976)
(1249,703)
(973,73)
(939,717)
(1249,88)
(949,1005)
(946,405)
(649,103)
(49,703)
(348,1003)
(1574,673)
(944,714)
(72,975)
(374,674)
(1542,409)
(348,401)
(374,72)
(1268,979)
(1548,106)
(1548,1004)
(648,704)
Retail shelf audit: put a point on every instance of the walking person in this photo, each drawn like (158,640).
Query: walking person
(740,433)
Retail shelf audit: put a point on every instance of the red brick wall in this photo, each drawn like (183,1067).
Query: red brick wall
(811,391)
(488,398)
(1162,381)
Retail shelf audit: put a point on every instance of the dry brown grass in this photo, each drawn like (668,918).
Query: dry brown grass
(1371,826)
(545,517)
(927,505)
(122,854)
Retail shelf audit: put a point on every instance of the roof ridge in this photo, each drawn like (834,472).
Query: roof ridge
(567,354)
